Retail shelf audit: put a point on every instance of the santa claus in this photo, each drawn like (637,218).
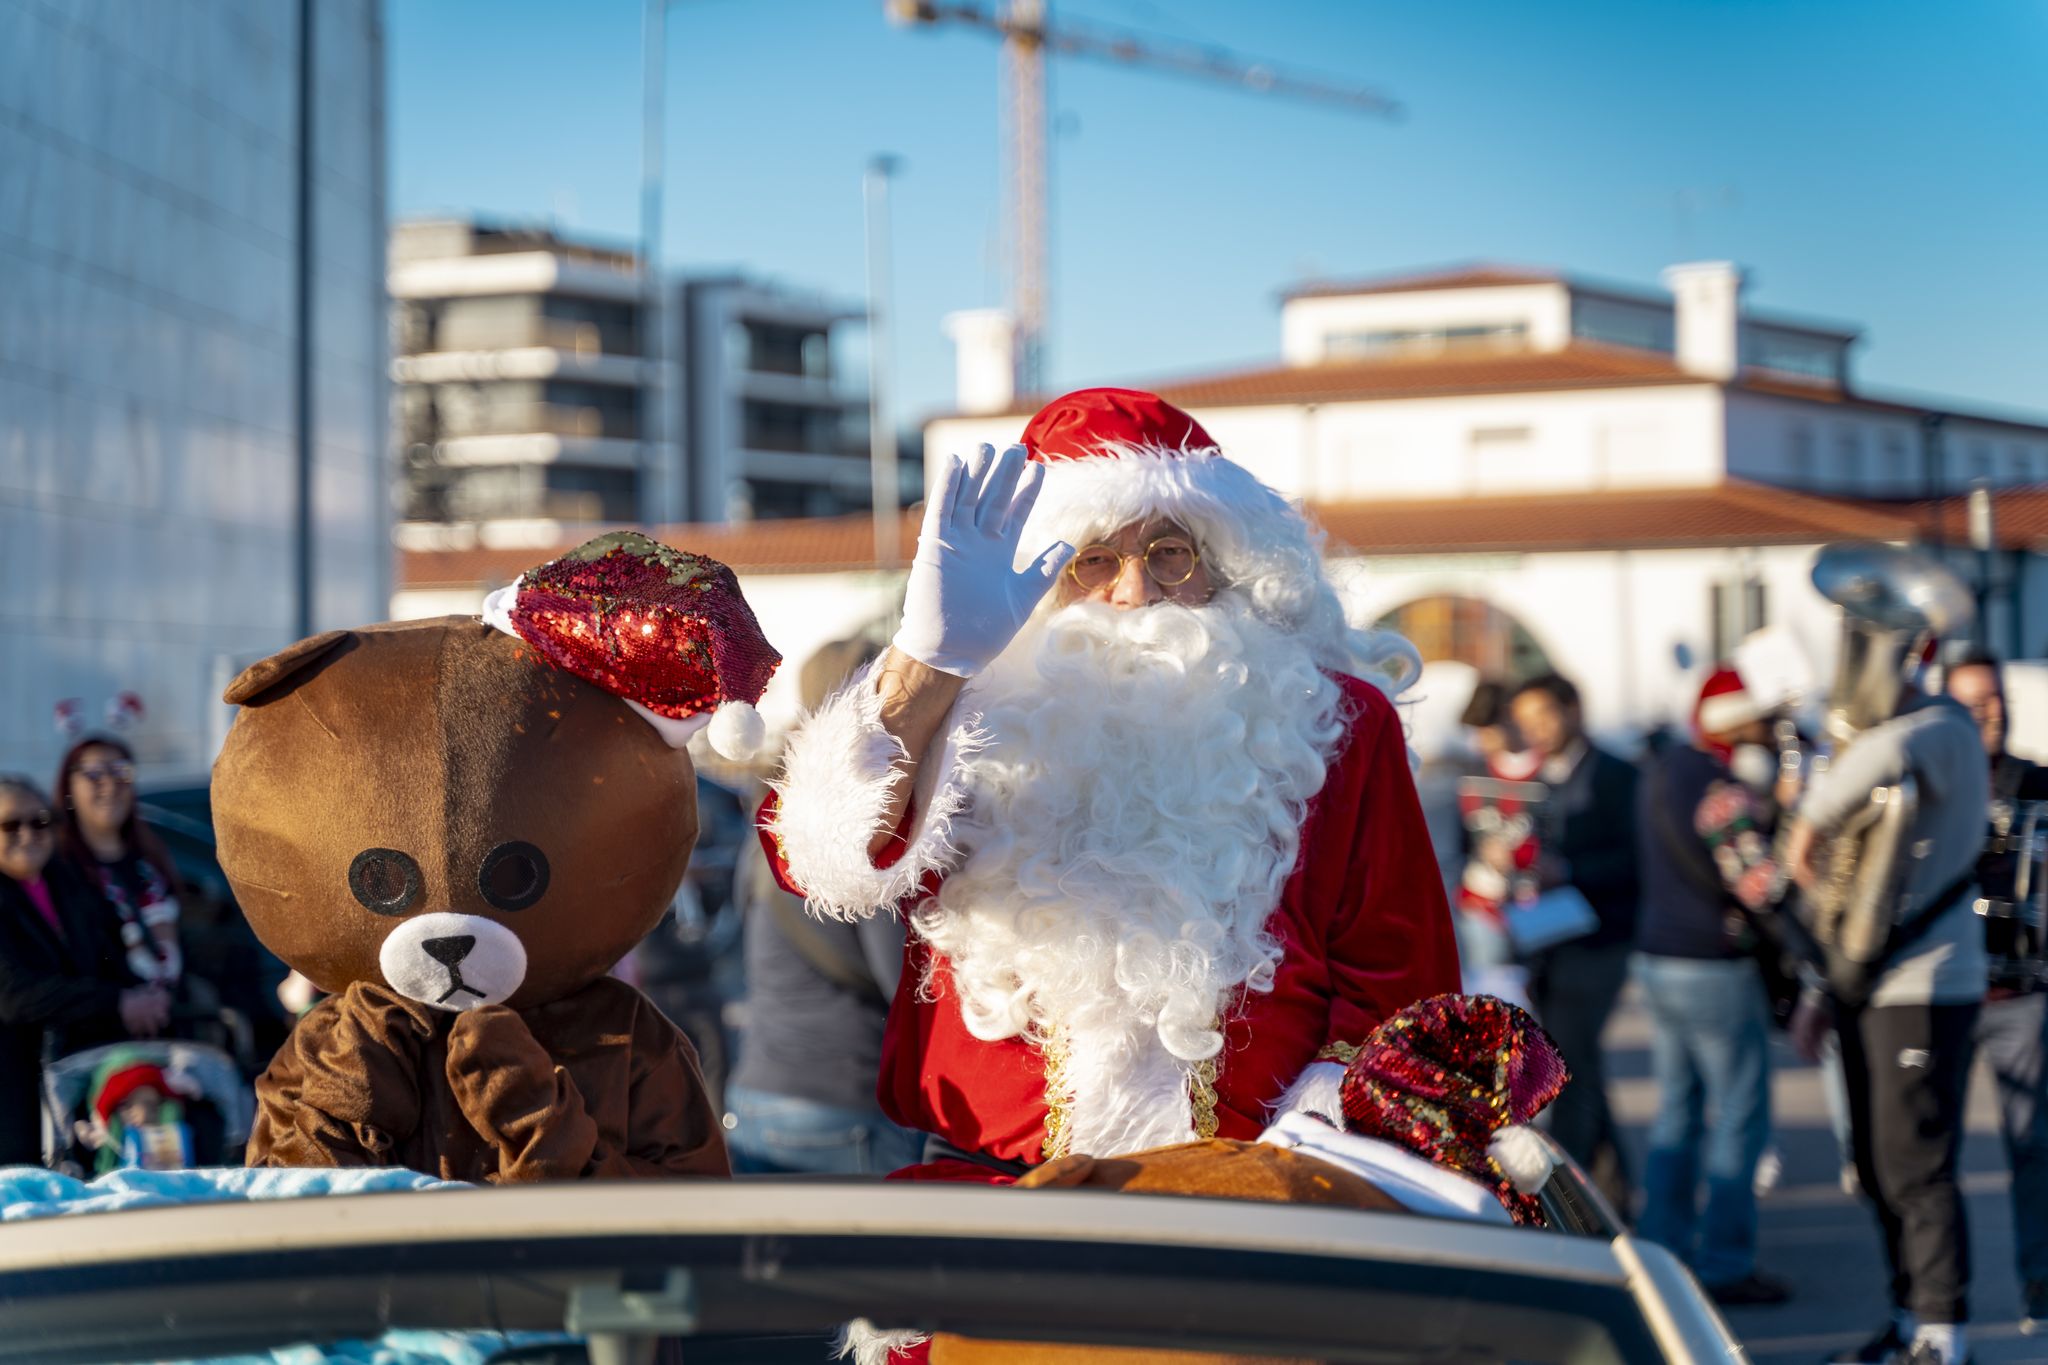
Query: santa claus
(1145,804)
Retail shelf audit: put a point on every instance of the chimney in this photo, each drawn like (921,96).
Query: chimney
(984,340)
(1707,299)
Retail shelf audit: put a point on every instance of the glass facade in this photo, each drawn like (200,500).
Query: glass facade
(152,249)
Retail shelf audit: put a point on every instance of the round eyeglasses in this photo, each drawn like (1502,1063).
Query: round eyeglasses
(1169,561)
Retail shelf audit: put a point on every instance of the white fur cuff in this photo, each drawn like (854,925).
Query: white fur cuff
(837,776)
(1317,1090)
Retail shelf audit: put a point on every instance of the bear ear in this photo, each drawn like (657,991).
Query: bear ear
(265,674)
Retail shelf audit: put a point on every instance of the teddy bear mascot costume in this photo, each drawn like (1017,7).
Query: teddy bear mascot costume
(455,828)
(1139,789)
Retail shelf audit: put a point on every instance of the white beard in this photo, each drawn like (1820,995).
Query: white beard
(1130,822)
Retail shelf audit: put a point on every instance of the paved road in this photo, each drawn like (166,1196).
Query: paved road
(1824,1242)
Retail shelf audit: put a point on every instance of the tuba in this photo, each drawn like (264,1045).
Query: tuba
(1895,603)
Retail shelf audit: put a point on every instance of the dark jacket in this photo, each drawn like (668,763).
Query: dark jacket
(64,991)
(1591,824)
(1685,908)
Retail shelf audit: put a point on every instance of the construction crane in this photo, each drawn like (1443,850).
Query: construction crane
(1027,39)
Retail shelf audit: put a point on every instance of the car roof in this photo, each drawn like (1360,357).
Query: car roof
(793,1208)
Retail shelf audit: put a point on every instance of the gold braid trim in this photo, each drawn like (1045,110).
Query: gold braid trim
(1059,1097)
(1338,1052)
(1202,1095)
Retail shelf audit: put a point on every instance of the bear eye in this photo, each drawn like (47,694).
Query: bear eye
(514,875)
(386,881)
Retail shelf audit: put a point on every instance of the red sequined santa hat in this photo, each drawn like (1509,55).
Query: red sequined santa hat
(1115,457)
(1456,1079)
(1724,704)
(665,630)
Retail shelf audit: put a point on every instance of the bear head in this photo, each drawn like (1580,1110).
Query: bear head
(429,806)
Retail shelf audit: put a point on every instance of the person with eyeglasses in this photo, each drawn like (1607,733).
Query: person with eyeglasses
(1139,792)
(63,984)
(102,835)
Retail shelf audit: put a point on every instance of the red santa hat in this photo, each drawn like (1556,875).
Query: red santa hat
(1456,1079)
(1725,704)
(665,630)
(1113,457)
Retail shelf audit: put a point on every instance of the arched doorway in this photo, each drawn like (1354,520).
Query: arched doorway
(1470,630)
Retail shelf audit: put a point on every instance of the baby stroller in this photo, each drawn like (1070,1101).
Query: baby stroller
(164,1104)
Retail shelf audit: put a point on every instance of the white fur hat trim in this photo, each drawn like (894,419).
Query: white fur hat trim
(1522,1156)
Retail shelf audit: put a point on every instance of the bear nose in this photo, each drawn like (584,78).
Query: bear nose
(450,950)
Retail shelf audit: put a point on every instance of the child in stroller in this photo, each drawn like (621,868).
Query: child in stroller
(161,1105)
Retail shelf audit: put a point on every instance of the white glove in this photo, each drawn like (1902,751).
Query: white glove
(965,601)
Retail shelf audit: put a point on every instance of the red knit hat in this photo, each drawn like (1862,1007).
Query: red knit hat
(1724,704)
(1453,1079)
(1080,425)
(125,1082)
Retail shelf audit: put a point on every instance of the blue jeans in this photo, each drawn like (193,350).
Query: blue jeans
(1710,1053)
(2012,1036)
(783,1135)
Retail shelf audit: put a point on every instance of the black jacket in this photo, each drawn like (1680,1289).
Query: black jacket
(67,989)
(1591,824)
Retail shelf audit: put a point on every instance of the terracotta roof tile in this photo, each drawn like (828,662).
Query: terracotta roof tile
(1579,366)
(795,545)
(1479,275)
(1726,514)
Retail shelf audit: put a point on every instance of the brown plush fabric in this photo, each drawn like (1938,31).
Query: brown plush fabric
(1218,1168)
(598,1084)
(443,740)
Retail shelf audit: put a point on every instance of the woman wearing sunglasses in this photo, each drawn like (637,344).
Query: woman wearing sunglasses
(102,836)
(63,984)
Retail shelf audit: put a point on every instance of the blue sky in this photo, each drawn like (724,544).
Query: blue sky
(1880,162)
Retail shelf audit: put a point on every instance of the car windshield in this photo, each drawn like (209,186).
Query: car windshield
(751,1276)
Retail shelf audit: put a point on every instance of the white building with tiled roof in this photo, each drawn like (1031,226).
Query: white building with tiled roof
(1620,482)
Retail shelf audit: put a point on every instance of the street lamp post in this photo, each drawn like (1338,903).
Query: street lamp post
(655,502)
(884,488)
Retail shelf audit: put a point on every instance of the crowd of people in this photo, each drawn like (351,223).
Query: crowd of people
(1692,860)
(90,951)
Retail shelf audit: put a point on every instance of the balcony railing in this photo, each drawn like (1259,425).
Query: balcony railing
(527,419)
(560,334)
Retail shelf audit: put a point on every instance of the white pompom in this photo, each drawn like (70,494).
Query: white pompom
(737,731)
(1523,1157)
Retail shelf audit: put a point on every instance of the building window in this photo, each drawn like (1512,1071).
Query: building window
(1383,342)
(1793,353)
(1734,610)
(1980,461)
(1497,437)
(1799,459)
(1849,457)
(1617,322)
(1898,471)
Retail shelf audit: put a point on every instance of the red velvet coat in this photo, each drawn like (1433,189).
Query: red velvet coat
(1364,929)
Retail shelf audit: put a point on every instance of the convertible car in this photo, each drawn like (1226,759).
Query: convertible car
(771,1271)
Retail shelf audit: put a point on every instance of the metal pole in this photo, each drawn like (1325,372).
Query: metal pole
(1024,67)
(884,489)
(302,341)
(1983,536)
(655,505)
